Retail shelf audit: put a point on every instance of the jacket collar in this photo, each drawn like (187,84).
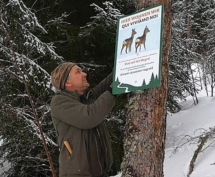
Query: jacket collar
(74,94)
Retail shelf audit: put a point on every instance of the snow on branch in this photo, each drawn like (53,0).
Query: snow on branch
(35,43)
(26,64)
(88,66)
(26,14)
(59,20)
(109,14)
(210,133)
(21,28)
(29,119)
(105,16)
(115,119)
(26,45)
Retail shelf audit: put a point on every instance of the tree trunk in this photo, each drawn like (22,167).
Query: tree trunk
(200,78)
(195,99)
(189,24)
(204,75)
(193,91)
(212,85)
(146,115)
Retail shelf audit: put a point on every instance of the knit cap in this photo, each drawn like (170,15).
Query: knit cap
(60,74)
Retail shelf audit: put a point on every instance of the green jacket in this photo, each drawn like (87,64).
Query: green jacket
(78,119)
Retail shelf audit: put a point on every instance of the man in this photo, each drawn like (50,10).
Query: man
(78,116)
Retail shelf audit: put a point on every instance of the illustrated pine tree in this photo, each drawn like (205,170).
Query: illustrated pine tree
(152,80)
(146,115)
(117,80)
(156,77)
(144,83)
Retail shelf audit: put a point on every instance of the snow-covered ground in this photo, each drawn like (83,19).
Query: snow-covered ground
(191,121)
(5,164)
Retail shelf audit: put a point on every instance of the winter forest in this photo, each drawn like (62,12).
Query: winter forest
(36,36)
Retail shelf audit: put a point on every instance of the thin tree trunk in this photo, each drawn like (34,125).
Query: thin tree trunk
(204,76)
(196,153)
(189,24)
(195,99)
(212,85)
(146,121)
(200,78)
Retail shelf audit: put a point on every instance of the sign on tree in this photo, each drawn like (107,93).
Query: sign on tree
(138,50)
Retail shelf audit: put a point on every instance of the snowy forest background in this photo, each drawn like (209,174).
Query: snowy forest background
(36,36)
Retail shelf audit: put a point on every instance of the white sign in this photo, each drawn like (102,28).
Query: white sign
(138,51)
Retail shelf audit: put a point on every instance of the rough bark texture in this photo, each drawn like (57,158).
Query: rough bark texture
(146,115)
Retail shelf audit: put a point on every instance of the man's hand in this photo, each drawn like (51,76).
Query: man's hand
(110,89)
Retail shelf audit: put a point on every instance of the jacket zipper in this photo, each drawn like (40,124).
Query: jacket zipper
(87,149)
(103,146)
(97,153)
(106,154)
(88,103)
(87,141)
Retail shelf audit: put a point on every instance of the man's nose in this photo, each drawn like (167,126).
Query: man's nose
(84,74)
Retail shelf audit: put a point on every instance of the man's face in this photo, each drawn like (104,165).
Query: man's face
(77,80)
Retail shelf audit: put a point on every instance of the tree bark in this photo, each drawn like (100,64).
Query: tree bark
(204,75)
(203,140)
(146,115)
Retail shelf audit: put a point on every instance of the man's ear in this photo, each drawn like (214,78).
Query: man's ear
(68,84)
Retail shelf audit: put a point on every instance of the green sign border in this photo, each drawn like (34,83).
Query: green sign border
(157,81)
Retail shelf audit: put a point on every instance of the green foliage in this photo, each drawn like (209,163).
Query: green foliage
(44,28)
(180,58)
(115,124)
(99,40)
(22,145)
(85,34)
(125,7)
(187,50)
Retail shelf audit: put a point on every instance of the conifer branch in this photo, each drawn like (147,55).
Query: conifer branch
(28,92)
